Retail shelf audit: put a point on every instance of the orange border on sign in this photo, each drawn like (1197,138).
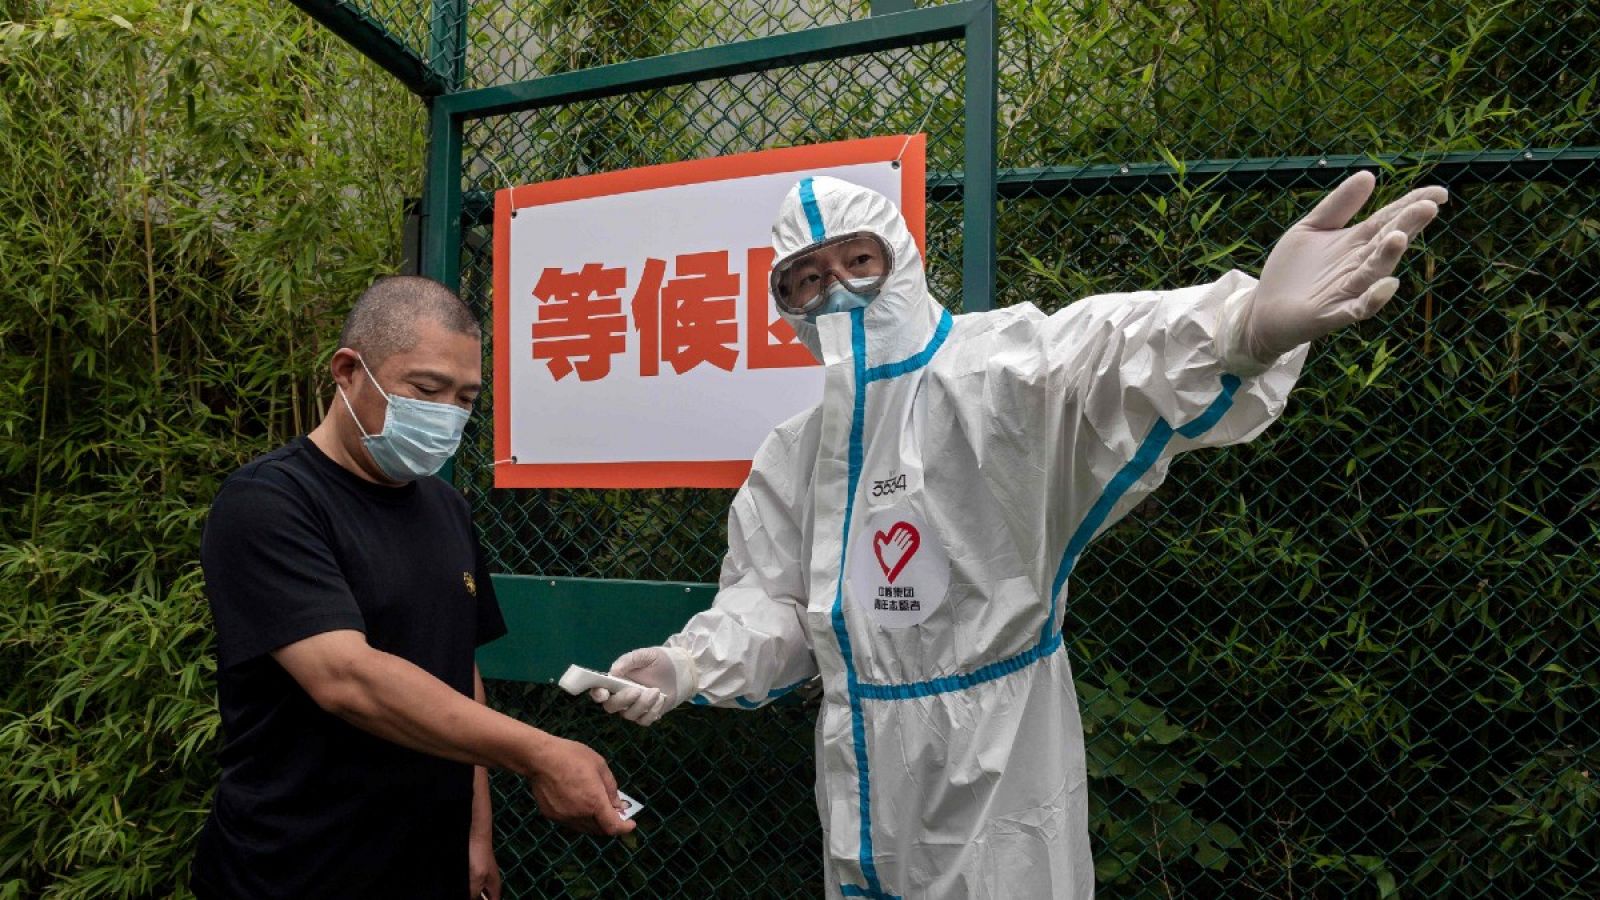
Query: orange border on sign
(910,150)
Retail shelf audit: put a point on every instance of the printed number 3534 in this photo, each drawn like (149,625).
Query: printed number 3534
(888,486)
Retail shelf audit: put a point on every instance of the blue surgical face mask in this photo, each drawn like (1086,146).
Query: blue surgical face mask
(418,437)
(844,296)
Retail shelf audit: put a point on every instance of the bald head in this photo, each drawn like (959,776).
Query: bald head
(386,317)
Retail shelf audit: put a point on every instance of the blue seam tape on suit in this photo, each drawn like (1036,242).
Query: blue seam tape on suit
(858,726)
(858,729)
(808,200)
(1149,451)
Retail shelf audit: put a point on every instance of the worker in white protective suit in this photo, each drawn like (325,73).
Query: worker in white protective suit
(909,539)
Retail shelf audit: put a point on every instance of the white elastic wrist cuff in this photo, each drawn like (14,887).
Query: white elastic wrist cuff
(688,675)
(1231,347)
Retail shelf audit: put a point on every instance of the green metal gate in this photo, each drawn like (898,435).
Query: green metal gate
(1355,657)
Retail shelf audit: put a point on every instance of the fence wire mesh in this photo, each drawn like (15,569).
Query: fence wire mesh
(409,23)
(514,41)
(1353,657)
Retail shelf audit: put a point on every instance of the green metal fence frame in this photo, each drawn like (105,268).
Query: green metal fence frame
(538,610)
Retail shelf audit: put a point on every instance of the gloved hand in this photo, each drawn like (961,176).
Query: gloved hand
(666,677)
(1321,275)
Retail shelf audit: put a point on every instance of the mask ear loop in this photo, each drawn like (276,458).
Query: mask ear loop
(374,379)
(359,426)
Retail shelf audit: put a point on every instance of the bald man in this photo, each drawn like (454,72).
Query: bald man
(349,594)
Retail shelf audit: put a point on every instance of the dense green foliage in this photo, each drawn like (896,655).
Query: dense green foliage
(190,195)
(1355,657)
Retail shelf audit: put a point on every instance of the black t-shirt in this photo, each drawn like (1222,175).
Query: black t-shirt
(309,806)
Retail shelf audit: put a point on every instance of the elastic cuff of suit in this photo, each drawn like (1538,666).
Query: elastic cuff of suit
(1229,339)
(688,675)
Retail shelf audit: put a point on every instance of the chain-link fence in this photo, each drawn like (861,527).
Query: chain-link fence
(1354,657)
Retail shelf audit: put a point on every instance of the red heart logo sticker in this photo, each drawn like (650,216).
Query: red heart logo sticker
(895,548)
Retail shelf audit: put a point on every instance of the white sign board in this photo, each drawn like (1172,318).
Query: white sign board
(634,341)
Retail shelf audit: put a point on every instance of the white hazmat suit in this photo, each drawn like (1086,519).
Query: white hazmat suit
(910,540)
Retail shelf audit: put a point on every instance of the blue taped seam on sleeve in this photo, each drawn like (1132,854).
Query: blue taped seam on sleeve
(1214,413)
(808,200)
(851,890)
(1149,451)
(772,695)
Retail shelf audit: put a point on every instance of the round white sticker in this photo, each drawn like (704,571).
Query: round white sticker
(898,568)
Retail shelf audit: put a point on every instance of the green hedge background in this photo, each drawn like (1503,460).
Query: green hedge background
(191,195)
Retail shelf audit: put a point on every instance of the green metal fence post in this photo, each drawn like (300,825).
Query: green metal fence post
(447,36)
(441,199)
(977,240)
(441,210)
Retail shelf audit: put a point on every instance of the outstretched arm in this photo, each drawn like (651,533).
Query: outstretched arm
(394,699)
(751,646)
(1103,394)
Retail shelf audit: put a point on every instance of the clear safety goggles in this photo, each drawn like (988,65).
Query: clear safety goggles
(860,260)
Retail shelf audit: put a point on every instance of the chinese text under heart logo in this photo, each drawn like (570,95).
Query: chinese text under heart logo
(895,548)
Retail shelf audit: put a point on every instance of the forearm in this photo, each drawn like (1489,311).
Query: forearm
(395,700)
(400,702)
(747,649)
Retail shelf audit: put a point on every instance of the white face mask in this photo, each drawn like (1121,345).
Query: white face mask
(418,437)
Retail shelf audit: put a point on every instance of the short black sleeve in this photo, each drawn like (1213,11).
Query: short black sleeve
(271,575)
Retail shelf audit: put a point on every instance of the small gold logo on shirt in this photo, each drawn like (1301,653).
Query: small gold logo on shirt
(472,585)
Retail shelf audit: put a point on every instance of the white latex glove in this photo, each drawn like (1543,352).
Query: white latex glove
(1321,275)
(666,678)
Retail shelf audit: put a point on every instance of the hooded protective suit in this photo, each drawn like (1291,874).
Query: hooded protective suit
(910,540)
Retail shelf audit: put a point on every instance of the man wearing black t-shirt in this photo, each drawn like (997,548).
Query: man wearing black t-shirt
(349,593)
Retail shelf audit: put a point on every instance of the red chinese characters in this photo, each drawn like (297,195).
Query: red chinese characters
(686,320)
(773,344)
(580,315)
(689,319)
